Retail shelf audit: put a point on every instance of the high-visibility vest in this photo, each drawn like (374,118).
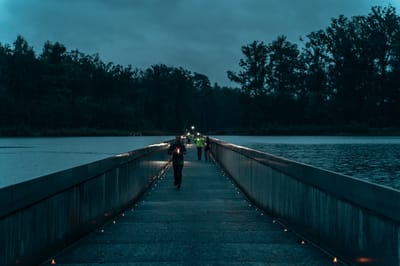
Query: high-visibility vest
(199,141)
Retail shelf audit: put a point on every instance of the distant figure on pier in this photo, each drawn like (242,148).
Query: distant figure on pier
(199,141)
(207,148)
(177,150)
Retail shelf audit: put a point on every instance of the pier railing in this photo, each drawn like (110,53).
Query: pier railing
(353,219)
(41,216)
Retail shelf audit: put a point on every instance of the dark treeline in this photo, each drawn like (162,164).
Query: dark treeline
(61,92)
(346,76)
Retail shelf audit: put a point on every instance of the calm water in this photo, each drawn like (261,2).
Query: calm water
(22,159)
(376,159)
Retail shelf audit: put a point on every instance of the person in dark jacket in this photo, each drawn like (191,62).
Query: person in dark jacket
(207,149)
(177,150)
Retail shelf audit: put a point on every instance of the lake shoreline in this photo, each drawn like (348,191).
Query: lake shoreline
(270,131)
(314,131)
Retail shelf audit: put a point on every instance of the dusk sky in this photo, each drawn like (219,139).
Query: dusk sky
(203,36)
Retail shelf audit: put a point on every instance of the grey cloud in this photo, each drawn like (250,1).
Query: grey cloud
(203,36)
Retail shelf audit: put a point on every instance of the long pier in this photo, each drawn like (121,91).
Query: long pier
(243,208)
(209,221)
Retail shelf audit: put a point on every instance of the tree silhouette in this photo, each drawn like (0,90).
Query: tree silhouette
(253,76)
(346,76)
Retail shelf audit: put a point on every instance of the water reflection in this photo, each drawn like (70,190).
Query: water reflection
(377,163)
(22,159)
(373,158)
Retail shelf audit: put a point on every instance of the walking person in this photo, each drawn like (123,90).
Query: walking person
(207,148)
(199,141)
(177,150)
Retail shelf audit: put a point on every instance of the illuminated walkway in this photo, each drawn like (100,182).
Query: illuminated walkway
(207,222)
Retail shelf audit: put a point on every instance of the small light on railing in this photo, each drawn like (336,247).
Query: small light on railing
(123,214)
(285,230)
(274,221)
(364,260)
(126,154)
(102,230)
(301,241)
(53,262)
(335,260)
(114,222)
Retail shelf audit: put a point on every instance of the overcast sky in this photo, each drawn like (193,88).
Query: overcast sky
(203,36)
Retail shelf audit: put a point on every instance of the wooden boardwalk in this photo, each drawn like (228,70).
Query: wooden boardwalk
(207,222)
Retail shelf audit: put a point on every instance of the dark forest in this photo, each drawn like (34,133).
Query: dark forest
(345,78)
